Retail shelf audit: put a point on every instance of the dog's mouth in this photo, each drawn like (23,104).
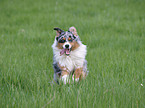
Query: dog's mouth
(66,51)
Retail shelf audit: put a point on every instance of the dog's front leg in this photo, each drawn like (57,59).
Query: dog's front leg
(78,74)
(65,77)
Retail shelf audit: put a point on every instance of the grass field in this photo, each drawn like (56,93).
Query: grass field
(114,32)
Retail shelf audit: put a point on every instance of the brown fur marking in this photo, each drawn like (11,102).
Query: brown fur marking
(64,73)
(79,73)
(60,45)
(64,70)
(74,45)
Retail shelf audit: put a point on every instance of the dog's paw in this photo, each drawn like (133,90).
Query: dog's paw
(75,79)
(65,79)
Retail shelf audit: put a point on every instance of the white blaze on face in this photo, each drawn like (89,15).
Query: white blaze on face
(67,43)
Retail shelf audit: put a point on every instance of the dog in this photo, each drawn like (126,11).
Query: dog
(69,54)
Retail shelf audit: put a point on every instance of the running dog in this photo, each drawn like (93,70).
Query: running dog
(69,56)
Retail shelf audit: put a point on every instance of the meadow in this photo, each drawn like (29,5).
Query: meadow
(114,32)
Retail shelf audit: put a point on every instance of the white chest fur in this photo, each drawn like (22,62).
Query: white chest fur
(74,60)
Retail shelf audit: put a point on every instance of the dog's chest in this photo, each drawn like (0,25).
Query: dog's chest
(74,60)
(71,62)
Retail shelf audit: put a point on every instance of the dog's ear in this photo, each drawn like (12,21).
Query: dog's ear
(73,30)
(58,31)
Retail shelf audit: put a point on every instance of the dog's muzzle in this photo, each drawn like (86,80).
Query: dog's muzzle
(66,49)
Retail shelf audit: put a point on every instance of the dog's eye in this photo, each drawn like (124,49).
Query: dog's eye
(61,40)
(70,39)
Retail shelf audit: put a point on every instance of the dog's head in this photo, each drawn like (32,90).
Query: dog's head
(67,41)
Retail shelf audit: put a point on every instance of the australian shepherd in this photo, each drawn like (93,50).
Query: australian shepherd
(69,56)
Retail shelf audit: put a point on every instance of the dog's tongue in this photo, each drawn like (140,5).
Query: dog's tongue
(66,51)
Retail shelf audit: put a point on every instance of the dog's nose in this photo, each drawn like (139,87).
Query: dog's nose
(67,46)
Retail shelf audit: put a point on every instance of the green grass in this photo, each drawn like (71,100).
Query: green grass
(114,32)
